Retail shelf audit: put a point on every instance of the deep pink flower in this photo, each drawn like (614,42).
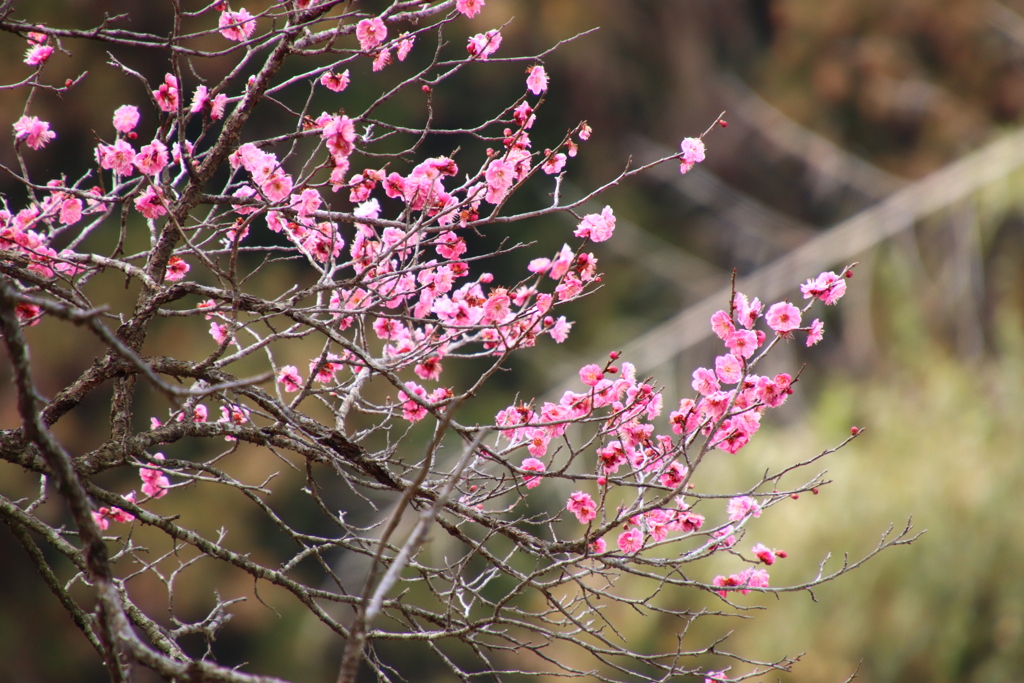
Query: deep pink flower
(219,332)
(599,546)
(828,287)
(742,343)
(167,94)
(118,157)
(631,541)
(34,132)
(500,175)
(371,33)
(149,203)
(176,269)
(764,554)
(237,26)
(537,80)
(38,54)
(591,375)
(783,317)
(583,506)
(152,158)
(411,410)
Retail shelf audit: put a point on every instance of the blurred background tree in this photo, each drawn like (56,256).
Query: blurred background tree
(835,109)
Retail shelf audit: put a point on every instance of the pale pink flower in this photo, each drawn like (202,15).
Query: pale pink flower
(537,80)
(584,131)
(705,382)
(591,375)
(500,175)
(553,164)
(219,332)
(729,368)
(176,269)
(532,465)
(598,227)
(483,45)
(721,325)
(783,317)
(405,44)
(559,330)
(38,54)
(237,26)
(33,131)
(335,82)
(126,117)
(277,187)
(816,332)
(828,287)
(692,153)
(71,211)
(381,60)
(742,343)
(371,33)
(583,506)
(469,7)
(631,541)
(741,506)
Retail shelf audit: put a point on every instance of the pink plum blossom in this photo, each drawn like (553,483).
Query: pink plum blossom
(816,332)
(483,45)
(154,482)
(335,82)
(33,131)
(167,94)
(469,7)
(289,378)
(176,269)
(741,506)
(597,227)
(152,158)
(631,541)
(764,554)
(692,153)
(371,33)
(237,26)
(827,287)
(537,80)
(38,54)
(126,117)
(583,506)
(532,465)
(783,317)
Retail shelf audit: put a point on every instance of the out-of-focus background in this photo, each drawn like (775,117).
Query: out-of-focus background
(887,132)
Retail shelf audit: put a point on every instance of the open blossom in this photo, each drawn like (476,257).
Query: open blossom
(149,203)
(167,94)
(537,80)
(411,410)
(583,506)
(591,375)
(500,175)
(553,164)
(631,541)
(237,26)
(483,45)
(34,132)
(371,33)
(335,82)
(741,506)
(469,7)
(405,44)
(126,117)
(692,153)
(152,158)
(783,317)
(597,226)
(532,465)
(764,554)
(154,482)
(38,54)
(176,269)
(118,157)
(816,332)
(828,287)
(289,378)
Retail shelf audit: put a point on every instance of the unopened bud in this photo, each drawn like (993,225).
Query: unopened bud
(425,88)
(723,123)
(601,481)
(781,553)
(854,430)
(612,369)
(614,355)
(815,490)
(794,496)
